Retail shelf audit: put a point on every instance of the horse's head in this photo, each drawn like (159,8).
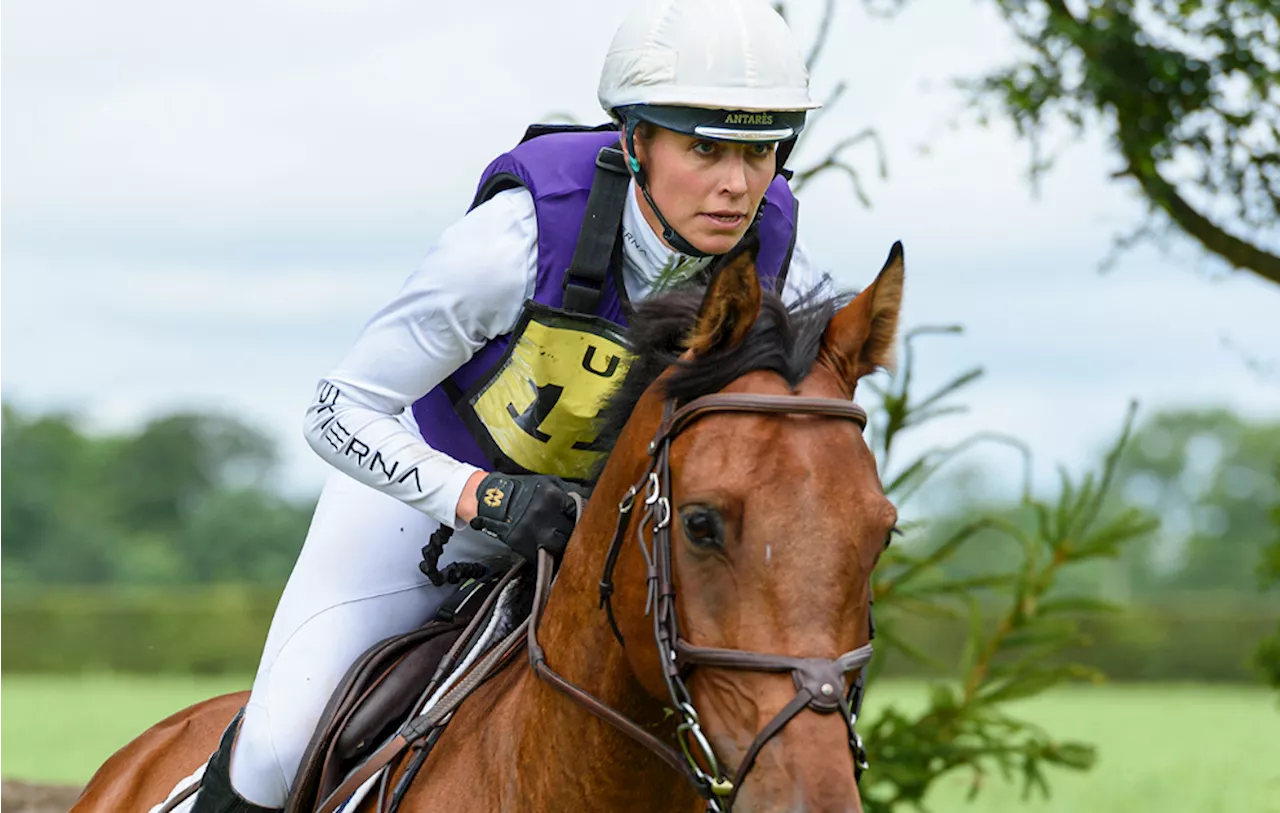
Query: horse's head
(776,521)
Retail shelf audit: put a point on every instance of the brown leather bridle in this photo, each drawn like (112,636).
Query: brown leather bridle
(819,682)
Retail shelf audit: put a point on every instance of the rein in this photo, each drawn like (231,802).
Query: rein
(819,682)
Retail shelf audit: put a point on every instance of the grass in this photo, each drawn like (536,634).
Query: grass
(1211,749)
(1208,749)
(61,728)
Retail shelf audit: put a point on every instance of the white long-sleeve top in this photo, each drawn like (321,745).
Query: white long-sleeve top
(469,289)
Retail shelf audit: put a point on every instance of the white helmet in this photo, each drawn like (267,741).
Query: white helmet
(720,69)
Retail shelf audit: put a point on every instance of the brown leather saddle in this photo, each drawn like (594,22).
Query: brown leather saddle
(390,682)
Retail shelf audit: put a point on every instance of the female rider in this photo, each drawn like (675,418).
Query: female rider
(468,400)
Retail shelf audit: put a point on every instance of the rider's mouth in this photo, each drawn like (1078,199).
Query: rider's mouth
(729,220)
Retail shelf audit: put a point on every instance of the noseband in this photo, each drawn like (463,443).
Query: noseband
(819,682)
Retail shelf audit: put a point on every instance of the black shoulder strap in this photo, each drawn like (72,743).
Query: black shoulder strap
(535,130)
(781,281)
(584,280)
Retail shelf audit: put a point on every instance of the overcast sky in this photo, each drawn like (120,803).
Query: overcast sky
(202,203)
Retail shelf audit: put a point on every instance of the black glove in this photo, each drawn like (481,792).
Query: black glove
(527,512)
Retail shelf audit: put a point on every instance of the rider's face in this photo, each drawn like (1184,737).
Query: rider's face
(707,190)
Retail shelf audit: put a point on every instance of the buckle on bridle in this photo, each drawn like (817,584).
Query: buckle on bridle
(628,501)
(719,786)
(860,761)
(654,490)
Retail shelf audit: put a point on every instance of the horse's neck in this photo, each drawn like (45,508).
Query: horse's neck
(540,750)
(578,750)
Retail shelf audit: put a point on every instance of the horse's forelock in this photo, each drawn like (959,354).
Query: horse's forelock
(784,340)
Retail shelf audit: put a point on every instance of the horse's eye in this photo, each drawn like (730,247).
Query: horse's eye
(702,527)
(888,540)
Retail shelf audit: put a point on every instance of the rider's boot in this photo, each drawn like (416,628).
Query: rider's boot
(216,794)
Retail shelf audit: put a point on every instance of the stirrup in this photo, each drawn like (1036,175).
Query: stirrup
(216,794)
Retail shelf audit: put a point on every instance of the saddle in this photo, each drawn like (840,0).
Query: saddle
(398,678)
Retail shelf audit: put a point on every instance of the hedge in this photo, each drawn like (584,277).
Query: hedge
(200,630)
(1191,638)
(221,629)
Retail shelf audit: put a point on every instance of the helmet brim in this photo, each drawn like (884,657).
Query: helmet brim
(720,125)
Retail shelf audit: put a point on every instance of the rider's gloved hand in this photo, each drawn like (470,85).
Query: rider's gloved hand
(527,512)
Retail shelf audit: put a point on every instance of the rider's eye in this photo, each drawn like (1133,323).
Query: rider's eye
(702,527)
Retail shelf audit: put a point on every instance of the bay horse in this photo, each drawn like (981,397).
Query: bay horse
(765,516)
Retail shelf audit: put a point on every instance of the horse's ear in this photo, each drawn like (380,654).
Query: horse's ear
(729,307)
(862,335)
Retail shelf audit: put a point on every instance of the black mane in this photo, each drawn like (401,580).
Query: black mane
(784,340)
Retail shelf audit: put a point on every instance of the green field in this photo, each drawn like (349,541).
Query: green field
(1161,748)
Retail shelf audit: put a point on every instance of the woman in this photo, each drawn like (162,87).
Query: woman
(493,355)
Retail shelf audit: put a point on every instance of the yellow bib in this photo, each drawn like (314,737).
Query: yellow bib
(539,405)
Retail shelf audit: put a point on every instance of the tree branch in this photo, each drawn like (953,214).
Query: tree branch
(1239,253)
(824,28)
(832,161)
(1059,8)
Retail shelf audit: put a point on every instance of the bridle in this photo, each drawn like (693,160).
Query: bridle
(819,682)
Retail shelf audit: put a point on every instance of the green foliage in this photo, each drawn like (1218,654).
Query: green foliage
(1267,658)
(183,500)
(159,476)
(209,630)
(1018,620)
(1213,476)
(1177,638)
(1269,567)
(1188,90)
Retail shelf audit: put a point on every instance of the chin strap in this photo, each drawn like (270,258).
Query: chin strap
(669,234)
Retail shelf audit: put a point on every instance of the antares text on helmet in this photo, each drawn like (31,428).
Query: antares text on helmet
(748,118)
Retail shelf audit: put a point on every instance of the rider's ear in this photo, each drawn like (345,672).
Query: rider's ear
(862,335)
(729,307)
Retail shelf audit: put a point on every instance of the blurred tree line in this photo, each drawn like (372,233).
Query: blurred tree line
(186,499)
(191,499)
(1211,476)
(1195,598)
(1268,658)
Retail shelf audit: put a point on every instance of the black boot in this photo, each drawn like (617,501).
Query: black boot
(216,794)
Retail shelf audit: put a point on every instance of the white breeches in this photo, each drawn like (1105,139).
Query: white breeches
(356,582)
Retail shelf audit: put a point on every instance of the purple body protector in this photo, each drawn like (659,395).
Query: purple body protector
(557,169)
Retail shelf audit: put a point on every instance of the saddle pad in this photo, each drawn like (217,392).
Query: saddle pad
(185,787)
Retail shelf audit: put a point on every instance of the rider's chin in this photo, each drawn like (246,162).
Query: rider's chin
(714,243)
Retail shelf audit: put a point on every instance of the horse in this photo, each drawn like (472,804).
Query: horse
(740,498)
